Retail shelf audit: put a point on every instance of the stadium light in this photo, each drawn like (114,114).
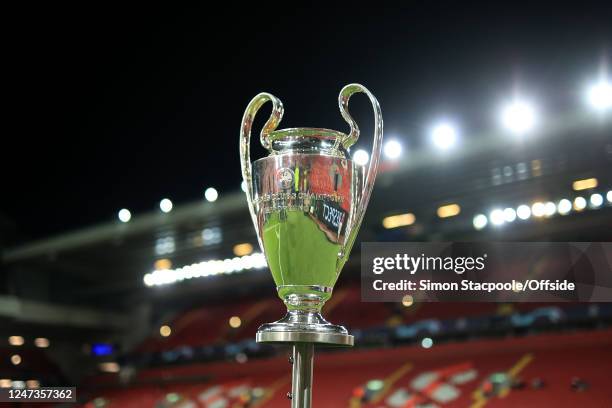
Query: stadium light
(519,117)
(6,383)
(243,249)
(407,300)
(580,203)
(109,367)
(538,209)
(16,359)
(211,194)
(585,184)
(124,215)
(609,196)
(599,95)
(162,264)
(596,200)
(480,221)
(361,157)
(449,210)
(41,342)
(497,217)
(165,245)
(235,322)
(16,340)
(207,268)
(523,212)
(550,209)
(564,206)
(427,342)
(400,220)
(509,214)
(444,135)
(392,149)
(165,331)
(165,205)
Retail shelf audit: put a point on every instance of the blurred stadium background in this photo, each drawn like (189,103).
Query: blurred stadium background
(160,308)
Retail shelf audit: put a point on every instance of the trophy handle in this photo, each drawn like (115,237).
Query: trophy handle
(245,139)
(363,196)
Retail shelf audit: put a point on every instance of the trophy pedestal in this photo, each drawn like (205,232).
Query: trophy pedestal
(303,329)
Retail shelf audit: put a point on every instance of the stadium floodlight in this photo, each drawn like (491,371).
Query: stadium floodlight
(585,184)
(427,342)
(243,249)
(599,95)
(444,135)
(580,203)
(16,359)
(41,342)
(109,367)
(550,209)
(16,340)
(206,268)
(361,157)
(519,117)
(165,330)
(211,194)
(538,209)
(497,217)
(523,212)
(124,215)
(399,220)
(609,196)
(564,206)
(408,300)
(392,149)
(235,322)
(165,205)
(509,214)
(449,210)
(480,221)
(596,200)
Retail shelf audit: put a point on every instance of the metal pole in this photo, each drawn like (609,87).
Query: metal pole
(301,382)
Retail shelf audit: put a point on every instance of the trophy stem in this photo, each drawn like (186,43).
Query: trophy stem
(301,382)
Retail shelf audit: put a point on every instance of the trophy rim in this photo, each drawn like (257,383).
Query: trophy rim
(317,132)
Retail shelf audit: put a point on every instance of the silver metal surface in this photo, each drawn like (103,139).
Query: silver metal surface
(327,339)
(304,326)
(301,378)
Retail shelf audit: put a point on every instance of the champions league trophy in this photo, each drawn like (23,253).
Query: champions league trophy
(307,200)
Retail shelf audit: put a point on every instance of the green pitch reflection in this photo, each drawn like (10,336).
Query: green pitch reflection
(299,253)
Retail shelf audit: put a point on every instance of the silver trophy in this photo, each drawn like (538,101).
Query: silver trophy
(307,199)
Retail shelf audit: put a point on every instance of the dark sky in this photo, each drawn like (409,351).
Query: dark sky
(114,107)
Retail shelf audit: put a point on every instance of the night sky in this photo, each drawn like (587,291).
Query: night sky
(111,107)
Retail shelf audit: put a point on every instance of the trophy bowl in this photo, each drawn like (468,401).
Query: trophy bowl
(307,199)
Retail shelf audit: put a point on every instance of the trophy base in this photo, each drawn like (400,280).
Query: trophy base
(304,327)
